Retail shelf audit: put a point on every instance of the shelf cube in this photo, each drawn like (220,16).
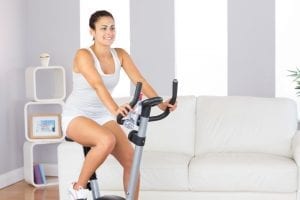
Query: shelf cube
(30,151)
(45,83)
(43,109)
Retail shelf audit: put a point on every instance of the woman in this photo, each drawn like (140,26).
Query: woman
(90,111)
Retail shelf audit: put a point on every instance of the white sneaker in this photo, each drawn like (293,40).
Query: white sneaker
(80,194)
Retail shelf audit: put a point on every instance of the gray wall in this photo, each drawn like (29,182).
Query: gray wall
(29,27)
(12,62)
(53,27)
(152,41)
(251,47)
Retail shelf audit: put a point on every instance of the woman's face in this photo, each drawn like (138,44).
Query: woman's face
(104,32)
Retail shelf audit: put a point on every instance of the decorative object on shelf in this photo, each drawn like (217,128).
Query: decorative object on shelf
(44,126)
(296,74)
(41,108)
(44,58)
(39,174)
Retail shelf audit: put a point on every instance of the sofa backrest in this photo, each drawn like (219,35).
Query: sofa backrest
(176,133)
(245,124)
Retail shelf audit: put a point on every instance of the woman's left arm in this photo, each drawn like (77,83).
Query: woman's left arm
(135,76)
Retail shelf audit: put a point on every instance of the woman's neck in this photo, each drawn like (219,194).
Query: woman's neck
(101,50)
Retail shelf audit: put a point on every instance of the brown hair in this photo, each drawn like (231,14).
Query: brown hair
(96,15)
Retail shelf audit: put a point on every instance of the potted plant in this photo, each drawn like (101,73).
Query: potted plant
(296,74)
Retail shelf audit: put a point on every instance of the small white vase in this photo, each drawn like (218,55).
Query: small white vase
(44,58)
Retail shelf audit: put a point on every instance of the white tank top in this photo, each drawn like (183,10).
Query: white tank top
(83,98)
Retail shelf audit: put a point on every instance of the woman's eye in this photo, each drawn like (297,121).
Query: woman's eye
(106,28)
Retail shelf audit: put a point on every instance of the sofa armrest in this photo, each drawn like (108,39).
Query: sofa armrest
(296,147)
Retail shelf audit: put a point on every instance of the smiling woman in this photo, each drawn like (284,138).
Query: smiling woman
(89,112)
(120,9)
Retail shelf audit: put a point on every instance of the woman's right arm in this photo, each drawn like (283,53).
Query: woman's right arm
(84,64)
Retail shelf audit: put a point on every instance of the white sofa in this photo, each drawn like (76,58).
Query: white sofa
(210,148)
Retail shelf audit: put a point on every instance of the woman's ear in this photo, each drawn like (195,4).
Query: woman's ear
(92,32)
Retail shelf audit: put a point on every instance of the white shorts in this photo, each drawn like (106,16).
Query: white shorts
(68,116)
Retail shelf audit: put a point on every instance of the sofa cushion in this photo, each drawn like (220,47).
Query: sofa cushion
(245,124)
(242,172)
(159,171)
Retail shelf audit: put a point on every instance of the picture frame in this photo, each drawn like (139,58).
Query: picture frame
(45,126)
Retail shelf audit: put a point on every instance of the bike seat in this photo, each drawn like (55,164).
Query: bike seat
(68,139)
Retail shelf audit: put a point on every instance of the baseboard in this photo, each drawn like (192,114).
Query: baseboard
(11,177)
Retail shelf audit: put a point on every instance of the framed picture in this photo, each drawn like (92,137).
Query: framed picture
(45,126)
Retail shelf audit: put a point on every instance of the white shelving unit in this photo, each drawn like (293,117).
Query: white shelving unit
(46,91)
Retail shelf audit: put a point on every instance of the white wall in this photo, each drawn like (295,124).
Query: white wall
(201,47)
(287,47)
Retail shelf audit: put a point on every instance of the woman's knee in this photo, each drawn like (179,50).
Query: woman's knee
(106,142)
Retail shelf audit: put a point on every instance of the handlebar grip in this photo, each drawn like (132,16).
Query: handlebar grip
(174,92)
(138,89)
(120,119)
(172,101)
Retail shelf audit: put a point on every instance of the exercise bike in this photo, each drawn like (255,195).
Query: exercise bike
(137,137)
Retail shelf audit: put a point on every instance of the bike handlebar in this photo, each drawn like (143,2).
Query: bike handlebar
(133,102)
(172,102)
(151,102)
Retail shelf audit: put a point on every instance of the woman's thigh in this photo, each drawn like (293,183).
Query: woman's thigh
(87,132)
(123,150)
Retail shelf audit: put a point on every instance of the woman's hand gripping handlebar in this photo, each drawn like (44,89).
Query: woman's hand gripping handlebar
(133,102)
(172,102)
(148,103)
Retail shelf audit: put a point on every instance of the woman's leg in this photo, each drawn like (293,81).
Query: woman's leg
(123,152)
(101,140)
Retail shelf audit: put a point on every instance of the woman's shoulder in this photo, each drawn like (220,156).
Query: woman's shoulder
(83,53)
(121,52)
